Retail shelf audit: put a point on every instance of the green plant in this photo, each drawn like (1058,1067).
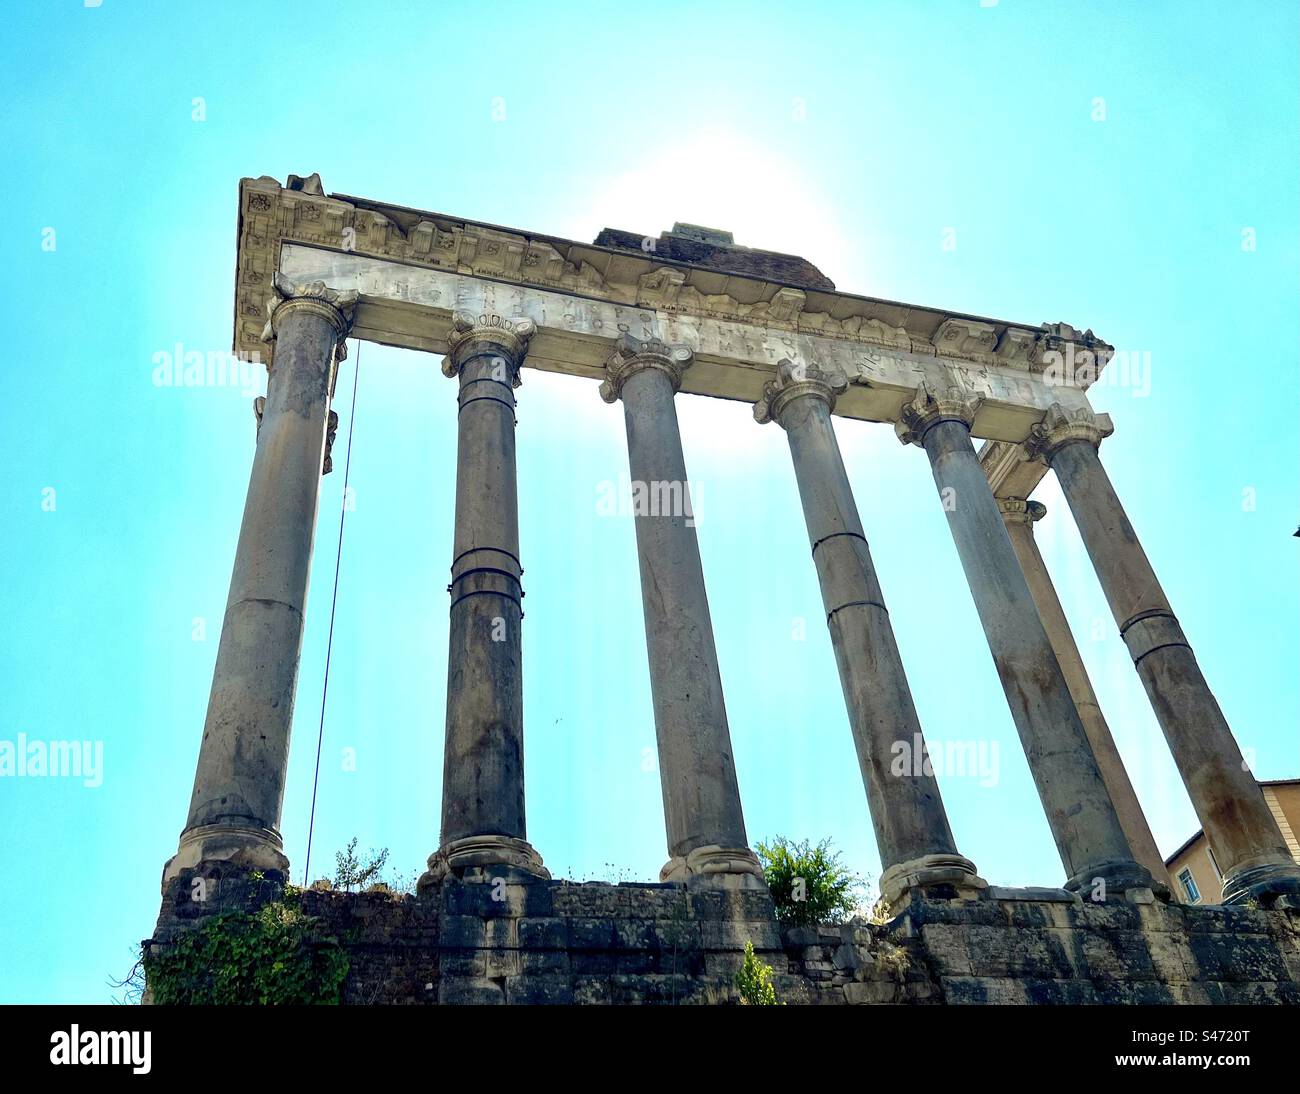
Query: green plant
(894,960)
(350,871)
(754,981)
(273,956)
(808,883)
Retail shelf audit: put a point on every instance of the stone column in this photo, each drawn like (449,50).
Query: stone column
(1019,515)
(1079,810)
(702,813)
(483,763)
(1231,807)
(912,832)
(239,783)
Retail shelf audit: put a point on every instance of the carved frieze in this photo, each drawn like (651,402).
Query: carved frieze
(965,338)
(300,212)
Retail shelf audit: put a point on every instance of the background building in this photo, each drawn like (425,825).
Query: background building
(1195,872)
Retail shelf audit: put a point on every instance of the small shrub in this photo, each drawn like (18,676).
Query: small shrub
(351,872)
(809,884)
(754,981)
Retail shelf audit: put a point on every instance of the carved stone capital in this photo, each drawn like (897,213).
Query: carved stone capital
(1021,510)
(927,408)
(472,334)
(1061,427)
(795,381)
(631,355)
(335,305)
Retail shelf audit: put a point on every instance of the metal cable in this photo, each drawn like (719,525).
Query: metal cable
(334,600)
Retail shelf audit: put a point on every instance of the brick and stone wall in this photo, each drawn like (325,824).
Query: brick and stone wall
(559,942)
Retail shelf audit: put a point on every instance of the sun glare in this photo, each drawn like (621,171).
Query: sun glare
(719,179)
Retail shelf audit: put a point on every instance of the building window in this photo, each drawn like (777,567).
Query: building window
(1189,886)
(1215,863)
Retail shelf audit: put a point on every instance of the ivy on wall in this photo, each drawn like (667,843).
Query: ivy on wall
(276,955)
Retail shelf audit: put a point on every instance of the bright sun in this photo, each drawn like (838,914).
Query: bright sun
(720,179)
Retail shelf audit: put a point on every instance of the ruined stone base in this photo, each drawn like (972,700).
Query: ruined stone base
(542,941)
(1048,947)
(193,893)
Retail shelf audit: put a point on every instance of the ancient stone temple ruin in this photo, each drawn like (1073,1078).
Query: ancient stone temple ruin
(692,313)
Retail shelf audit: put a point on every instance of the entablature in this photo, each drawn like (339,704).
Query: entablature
(412,269)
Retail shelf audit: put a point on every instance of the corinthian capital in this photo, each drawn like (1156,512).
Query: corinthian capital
(631,355)
(794,381)
(1021,510)
(472,335)
(927,408)
(1061,427)
(336,305)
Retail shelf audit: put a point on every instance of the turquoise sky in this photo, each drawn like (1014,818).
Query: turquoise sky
(1099,164)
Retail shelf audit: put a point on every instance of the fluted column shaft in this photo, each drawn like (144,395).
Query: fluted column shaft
(1019,515)
(912,832)
(1246,840)
(1079,810)
(238,790)
(702,810)
(483,822)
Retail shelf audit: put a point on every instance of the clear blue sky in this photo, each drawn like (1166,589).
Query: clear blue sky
(853,134)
